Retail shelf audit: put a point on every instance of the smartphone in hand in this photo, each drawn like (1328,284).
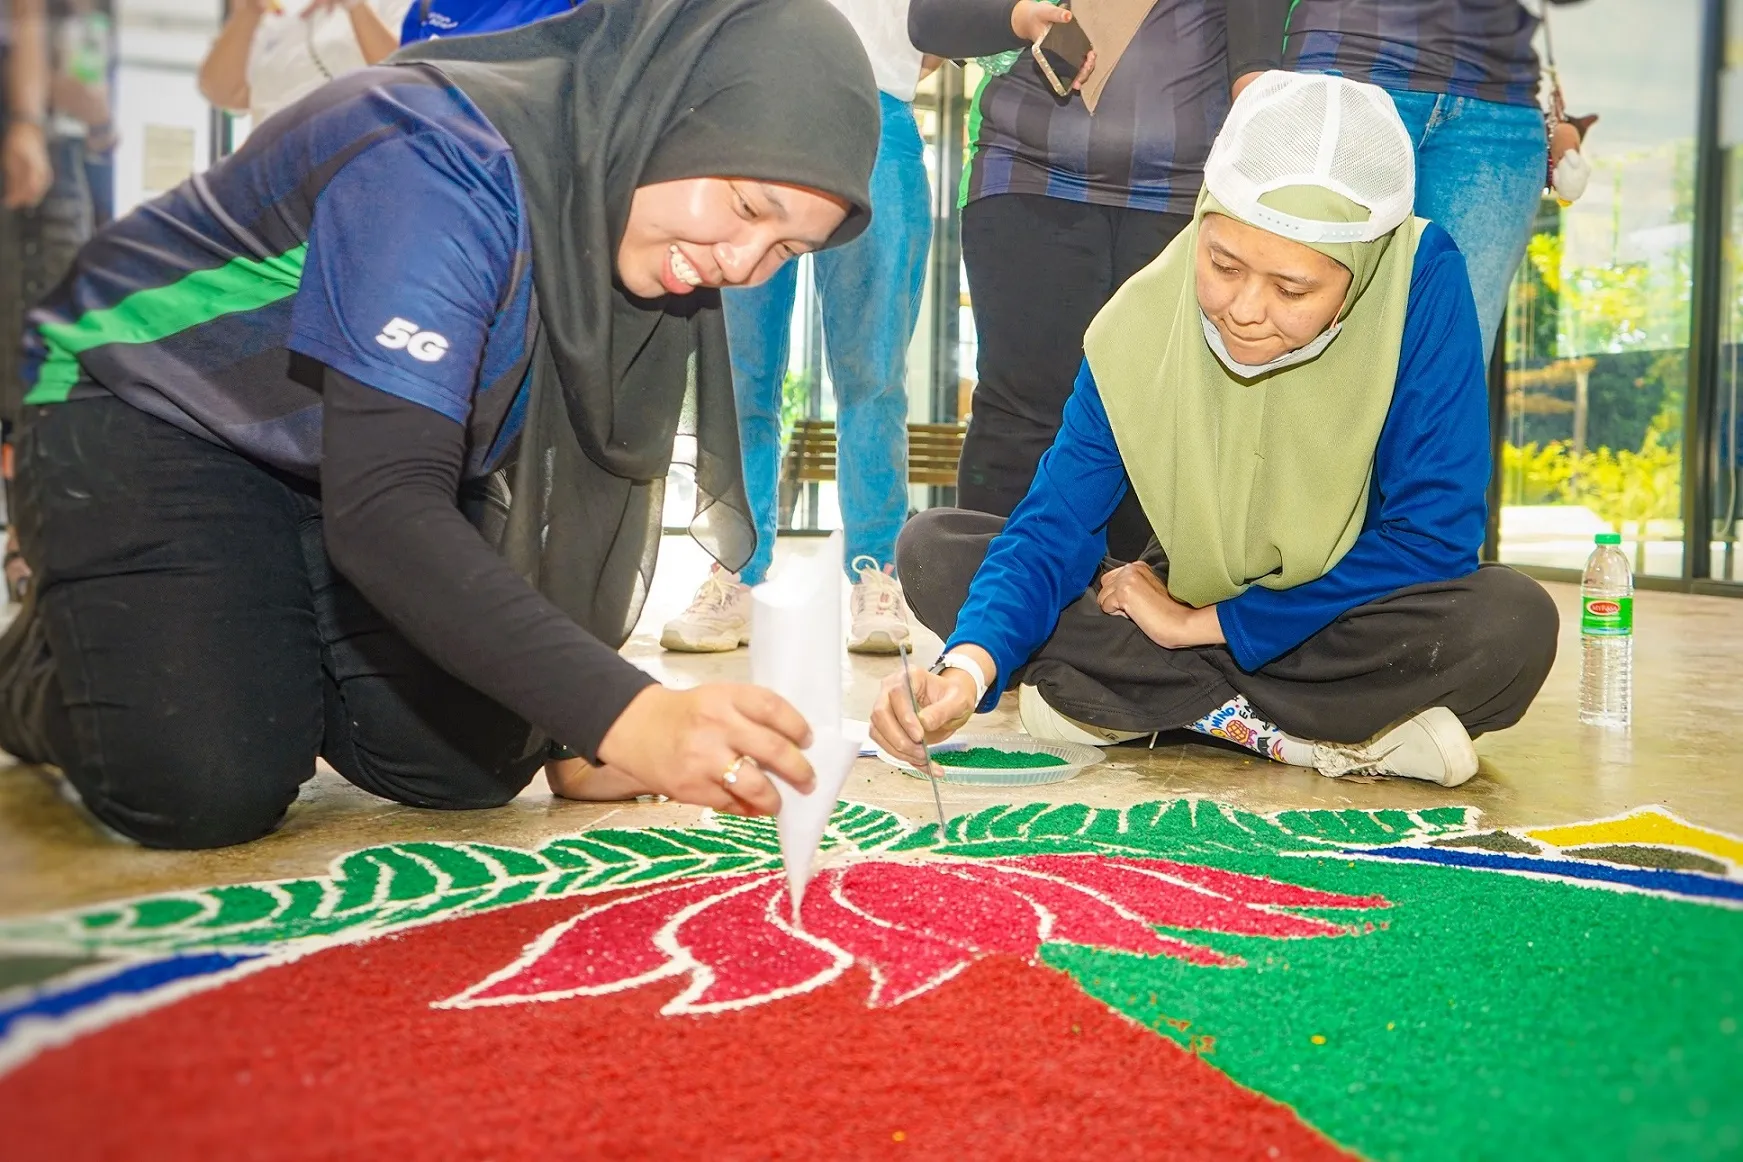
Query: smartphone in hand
(1061,53)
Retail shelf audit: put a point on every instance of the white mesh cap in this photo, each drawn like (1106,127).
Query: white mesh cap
(1304,129)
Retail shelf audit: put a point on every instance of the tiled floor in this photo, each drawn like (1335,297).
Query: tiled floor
(1682,754)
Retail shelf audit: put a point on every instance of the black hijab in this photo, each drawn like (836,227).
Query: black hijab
(594,103)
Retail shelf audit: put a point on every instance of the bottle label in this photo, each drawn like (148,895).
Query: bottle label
(1607,616)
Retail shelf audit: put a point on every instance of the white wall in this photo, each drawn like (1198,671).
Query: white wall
(161,45)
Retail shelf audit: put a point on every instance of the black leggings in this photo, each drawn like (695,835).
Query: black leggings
(1481,646)
(1039,270)
(205,652)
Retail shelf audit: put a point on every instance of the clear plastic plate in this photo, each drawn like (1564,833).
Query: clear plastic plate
(1077,757)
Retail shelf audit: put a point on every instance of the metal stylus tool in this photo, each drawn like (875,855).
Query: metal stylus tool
(931,770)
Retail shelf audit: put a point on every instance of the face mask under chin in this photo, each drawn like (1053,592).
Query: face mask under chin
(1213,338)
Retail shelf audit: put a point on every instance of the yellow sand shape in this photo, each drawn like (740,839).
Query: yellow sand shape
(1647,825)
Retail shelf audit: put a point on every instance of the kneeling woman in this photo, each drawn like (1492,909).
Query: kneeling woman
(268,407)
(1295,391)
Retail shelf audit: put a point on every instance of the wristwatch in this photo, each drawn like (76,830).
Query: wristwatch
(959,661)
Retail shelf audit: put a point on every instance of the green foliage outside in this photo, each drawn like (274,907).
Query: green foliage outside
(795,402)
(1630,315)
(1621,487)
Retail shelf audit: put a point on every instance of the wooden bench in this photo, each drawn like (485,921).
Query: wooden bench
(934,451)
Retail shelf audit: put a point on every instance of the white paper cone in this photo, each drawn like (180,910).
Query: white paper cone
(803,818)
(797,651)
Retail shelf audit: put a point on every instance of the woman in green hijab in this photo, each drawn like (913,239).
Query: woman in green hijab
(1295,392)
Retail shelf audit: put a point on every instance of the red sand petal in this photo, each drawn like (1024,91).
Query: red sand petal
(744,952)
(1082,916)
(1175,905)
(340,1055)
(930,899)
(606,946)
(901,962)
(1254,889)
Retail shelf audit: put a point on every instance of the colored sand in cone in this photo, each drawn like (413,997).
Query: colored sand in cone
(991,758)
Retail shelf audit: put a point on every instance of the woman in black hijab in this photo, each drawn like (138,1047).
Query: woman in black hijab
(261,486)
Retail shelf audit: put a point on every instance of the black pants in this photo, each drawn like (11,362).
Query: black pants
(1038,270)
(204,652)
(1481,646)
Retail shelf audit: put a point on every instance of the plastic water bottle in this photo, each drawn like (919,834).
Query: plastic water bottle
(1607,636)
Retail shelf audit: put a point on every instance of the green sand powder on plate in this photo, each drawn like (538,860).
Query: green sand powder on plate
(991,758)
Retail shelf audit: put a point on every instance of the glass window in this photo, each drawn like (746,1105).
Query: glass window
(1727,458)
(1598,329)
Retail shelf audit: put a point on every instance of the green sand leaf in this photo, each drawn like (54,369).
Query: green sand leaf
(463,867)
(242,905)
(380,888)
(171,911)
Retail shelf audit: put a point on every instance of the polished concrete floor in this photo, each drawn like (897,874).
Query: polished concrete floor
(1682,754)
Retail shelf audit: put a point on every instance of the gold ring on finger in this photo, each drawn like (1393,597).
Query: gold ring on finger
(730,776)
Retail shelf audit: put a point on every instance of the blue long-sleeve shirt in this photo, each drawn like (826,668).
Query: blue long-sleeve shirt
(1426,509)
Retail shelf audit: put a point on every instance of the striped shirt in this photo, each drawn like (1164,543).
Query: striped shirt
(1464,48)
(1145,146)
(375,227)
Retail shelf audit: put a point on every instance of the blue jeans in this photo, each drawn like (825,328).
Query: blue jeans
(1479,173)
(870,293)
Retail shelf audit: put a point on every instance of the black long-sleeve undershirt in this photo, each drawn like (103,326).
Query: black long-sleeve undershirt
(960,29)
(390,475)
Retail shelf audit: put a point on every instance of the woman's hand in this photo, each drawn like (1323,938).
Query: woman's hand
(1134,591)
(1030,19)
(946,704)
(682,743)
(579,779)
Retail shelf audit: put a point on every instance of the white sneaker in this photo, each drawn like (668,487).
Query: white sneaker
(718,619)
(879,622)
(1432,746)
(1045,723)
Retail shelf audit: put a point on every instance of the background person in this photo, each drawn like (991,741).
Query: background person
(869,292)
(1465,78)
(271,52)
(26,173)
(258,473)
(1295,392)
(427,19)
(24,99)
(40,235)
(1060,207)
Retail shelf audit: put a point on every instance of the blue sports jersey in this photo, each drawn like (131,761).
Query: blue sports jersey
(427,19)
(375,226)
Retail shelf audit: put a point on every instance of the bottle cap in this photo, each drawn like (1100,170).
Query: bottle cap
(1609,538)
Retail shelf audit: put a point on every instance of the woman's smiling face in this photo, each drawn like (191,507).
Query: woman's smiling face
(719,232)
(1266,294)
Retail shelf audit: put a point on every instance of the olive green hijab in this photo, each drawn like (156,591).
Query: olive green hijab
(1260,481)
